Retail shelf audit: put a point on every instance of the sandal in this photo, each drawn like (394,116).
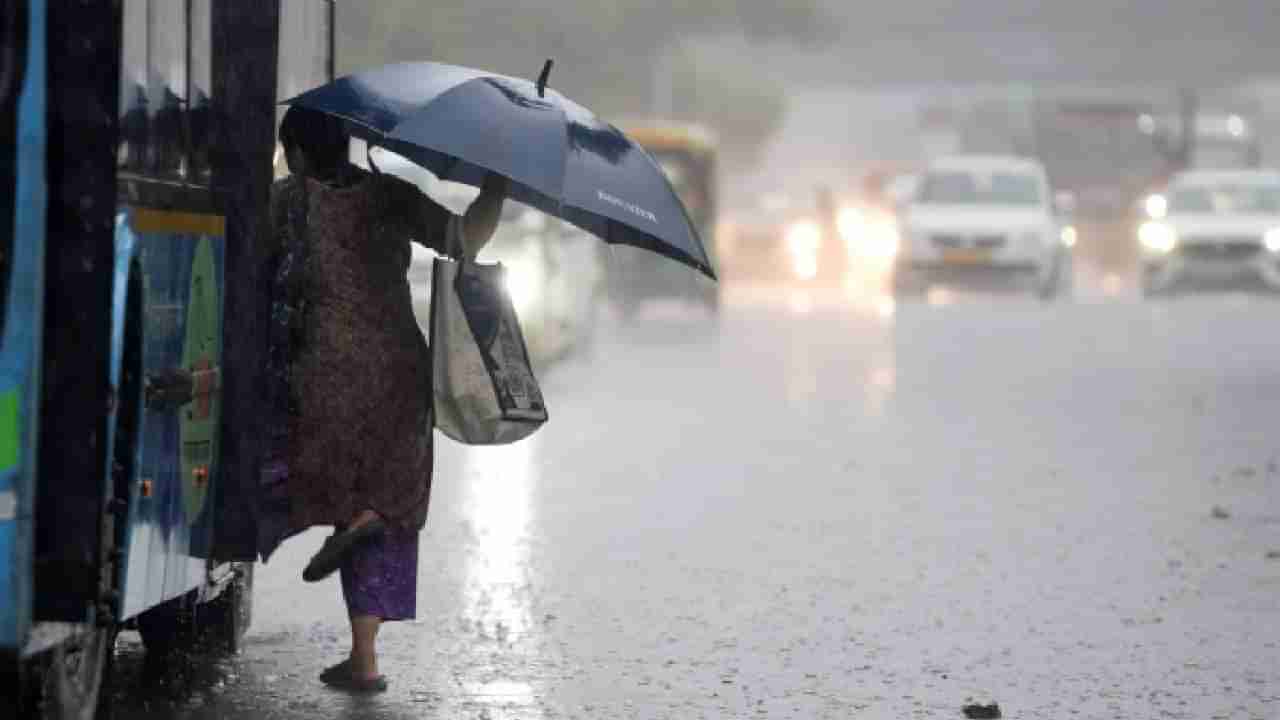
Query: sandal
(330,556)
(340,676)
(333,671)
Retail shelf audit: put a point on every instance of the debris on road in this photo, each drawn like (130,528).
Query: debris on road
(980,712)
(1273,554)
(1220,512)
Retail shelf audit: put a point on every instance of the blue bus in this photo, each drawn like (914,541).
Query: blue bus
(137,148)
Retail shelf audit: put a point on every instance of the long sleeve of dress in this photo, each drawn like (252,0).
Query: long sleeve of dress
(411,213)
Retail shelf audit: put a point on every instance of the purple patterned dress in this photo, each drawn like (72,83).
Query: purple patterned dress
(349,376)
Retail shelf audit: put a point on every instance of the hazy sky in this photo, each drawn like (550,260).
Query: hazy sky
(855,102)
(1191,41)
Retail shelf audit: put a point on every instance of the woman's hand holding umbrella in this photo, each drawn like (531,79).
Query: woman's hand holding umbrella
(481,218)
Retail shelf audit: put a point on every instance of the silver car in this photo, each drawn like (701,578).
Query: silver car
(1212,229)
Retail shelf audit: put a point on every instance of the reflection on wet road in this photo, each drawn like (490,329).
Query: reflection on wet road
(831,506)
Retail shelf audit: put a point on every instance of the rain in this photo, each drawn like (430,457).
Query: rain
(980,412)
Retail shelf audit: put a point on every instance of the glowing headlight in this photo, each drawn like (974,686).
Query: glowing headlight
(882,239)
(1272,240)
(803,240)
(850,224)
(1069,236)
(1157,206)
(804,237)
(524,281)
(1157,237)
(874,236)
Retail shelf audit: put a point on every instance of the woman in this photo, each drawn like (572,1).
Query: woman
(350,373)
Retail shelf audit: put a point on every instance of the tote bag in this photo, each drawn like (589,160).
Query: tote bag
(484,390)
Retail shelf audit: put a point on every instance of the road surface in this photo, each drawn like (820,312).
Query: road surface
(829,508)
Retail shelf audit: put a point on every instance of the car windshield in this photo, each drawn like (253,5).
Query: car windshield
(1226,200)
(955,187)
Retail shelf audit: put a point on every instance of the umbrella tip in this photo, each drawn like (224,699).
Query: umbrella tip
(542,77)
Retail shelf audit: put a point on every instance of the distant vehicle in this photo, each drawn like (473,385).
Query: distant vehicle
(1212,227)
(688,155)
(780,238)
(988,219)
(556,278)
(752,236)
(795,241)
(1225,141)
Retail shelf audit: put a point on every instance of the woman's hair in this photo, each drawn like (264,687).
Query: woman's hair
(322,138)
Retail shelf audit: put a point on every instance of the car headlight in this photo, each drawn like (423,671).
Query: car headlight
(525,280)
(882,239)
(804,237)
(873,236)
(1156,206)
(1157,237)
(851,224)
(803,240)
(1069,236)
(1272,240)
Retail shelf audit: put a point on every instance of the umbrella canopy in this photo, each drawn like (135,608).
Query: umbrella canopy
(460,123)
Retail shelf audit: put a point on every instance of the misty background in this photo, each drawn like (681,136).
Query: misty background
(818,91)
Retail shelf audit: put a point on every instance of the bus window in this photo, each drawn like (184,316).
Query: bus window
(200,84)
(134,120)
(305,55)
(167,89)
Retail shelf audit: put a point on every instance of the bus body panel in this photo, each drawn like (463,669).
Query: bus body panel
(170,530)
(19,361)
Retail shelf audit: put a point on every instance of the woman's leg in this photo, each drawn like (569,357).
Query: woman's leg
(364,652)
(379,584)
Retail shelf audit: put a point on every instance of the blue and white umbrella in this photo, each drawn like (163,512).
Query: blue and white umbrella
(460,123)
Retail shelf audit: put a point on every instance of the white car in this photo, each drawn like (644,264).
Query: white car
(987,219)
(1218,228)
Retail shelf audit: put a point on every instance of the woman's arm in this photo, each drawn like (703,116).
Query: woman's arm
(482,216)
(410,212)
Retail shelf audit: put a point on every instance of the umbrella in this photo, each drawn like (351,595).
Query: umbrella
(460,123)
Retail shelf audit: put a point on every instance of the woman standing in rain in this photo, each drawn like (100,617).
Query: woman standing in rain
(349,373)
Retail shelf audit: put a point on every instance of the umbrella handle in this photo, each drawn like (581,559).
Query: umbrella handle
(542,77)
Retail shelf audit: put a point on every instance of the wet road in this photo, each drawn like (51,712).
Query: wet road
(825,509)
